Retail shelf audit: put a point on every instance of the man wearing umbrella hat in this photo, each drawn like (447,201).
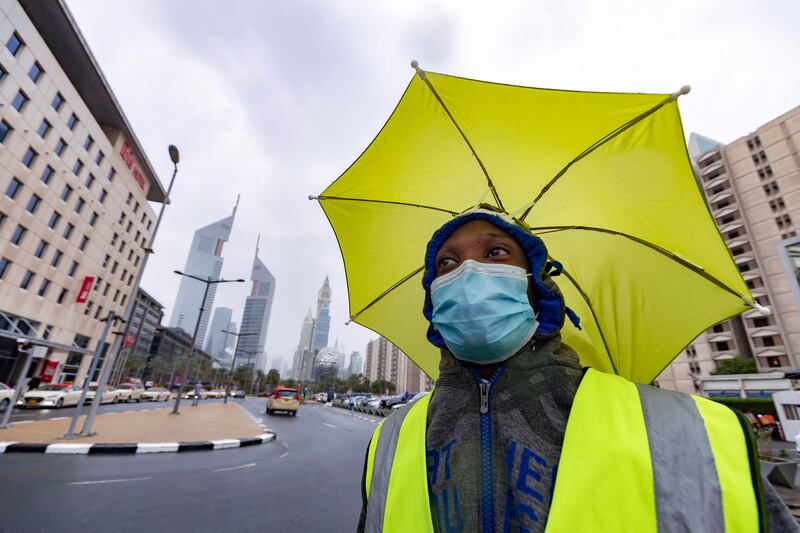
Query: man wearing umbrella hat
(518,436)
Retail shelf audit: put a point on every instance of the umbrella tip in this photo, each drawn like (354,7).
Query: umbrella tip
(414,64)
(312,197)
(680,92)
(685,89)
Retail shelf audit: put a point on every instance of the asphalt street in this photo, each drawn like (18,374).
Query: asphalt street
(19,415)
(306,480)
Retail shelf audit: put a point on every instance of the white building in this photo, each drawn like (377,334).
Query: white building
(300,369)
(75,193)
(356,364)
(204,260)
(217,340)
(386,362)
(255,318)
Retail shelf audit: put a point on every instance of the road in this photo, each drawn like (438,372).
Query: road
(306,480)
(19,415)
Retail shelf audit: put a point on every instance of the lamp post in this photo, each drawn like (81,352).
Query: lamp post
(209,281)
(113,353)
(233,362)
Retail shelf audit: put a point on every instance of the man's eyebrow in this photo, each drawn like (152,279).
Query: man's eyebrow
(493,234)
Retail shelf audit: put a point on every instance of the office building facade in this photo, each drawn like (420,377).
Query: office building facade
(384,361)
(217,340)
(205,261)
(255,317)
(752,187)
(75,194)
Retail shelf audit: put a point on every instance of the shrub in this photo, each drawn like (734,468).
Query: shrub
(757,406)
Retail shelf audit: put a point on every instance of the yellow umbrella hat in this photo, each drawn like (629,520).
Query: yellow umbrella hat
(602,178)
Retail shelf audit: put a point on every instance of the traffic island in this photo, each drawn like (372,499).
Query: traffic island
(204,427)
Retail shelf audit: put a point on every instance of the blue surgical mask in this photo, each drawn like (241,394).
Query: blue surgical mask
(482,311)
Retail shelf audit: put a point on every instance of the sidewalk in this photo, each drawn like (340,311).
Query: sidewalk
(201,423)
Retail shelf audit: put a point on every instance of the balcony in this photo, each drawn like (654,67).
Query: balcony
(722,195)
(712,167)
(730,226)
(764,332)
(708,155)
(719,337)
(719,180)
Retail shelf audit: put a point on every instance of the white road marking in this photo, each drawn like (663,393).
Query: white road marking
(284,444)
(248,465)
(284,455)
(329,425)
(101,481)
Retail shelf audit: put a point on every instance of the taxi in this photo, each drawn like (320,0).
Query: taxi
(283,399)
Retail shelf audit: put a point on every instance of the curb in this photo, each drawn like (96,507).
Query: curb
(132,448)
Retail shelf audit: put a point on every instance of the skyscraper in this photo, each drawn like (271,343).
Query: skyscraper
(322,323)
(303,348)
(356,364)
(255,318)
(217,340)
(204,260)
(752,187)
(386,362)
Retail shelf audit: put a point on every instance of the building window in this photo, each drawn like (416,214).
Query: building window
(40,248)
(13,188)
(98,311)
(114,267)
(26,280)
(72,268)
(771,188)
(60,145)
(122,247)
(58,101)
(35,72)
(3,73)
(768,171)
(14,43)
(93,219)
(108,286)
(43,287)
(768,341)
(3,218)
(79,205)
(121,218)
(792,411)
(130,255)
(124,298)
(114,239)
(18,235)
(68,231)
(33,203)
(89,181)
(116,296)
(57,255)
(47,173)
(30,157)
(136,261)
(72,121)
(99,157)
(44,127)
(130,198)
(84,242)
(54,218)
(19,101)
(130,224)
(77,167)
(5,129)
(88,143)
(106,260)
(97,282)
(66,193)
(760,322)
(103,195)
(721,346)
(61,296)
(3,266)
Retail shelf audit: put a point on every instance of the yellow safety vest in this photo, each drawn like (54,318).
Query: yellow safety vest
(635,459)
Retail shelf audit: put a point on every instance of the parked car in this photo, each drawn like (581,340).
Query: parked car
(155,394)
(238,394)
(109,395)
(203,394)
(413,399)
(51,395)
(6,395)
(375,402)
(130,392)
(389,401)
(322,397)
(283,399)
(216,393)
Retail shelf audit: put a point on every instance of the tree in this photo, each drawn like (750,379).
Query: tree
(736,365)
(358,383)
(242,376)
(289,383)
(381,385)
(273,378)
(133,365)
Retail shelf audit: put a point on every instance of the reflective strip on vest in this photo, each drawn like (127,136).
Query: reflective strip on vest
(397,486)
(635,458)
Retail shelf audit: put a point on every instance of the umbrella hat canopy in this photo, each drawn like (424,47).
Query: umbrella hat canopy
(602,178)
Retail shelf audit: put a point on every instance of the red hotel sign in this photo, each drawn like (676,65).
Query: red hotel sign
(83,295)
(127,156)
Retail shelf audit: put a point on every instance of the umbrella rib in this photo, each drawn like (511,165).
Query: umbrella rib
(663,251)
(387,291)
(389,202)
(594,146)
(424,77)
(594,317)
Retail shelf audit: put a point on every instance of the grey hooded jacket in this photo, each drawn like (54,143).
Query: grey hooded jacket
(528,403)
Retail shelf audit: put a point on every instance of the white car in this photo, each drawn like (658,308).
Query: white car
(155,394)
(6,395)
(109,395)
(51,395)
(203,394)
(130,392)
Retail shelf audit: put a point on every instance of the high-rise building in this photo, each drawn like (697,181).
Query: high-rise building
(230,341)
(146,318)
(385,361)
(278,363)
(204,260)
(301,361)
(356,364)
(322,323)
(217,340)
(76,190)
(752,186)
(255,318)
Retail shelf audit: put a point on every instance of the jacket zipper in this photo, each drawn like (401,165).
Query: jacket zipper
(487,471)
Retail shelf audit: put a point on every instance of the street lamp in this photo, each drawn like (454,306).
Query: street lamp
(233,362)
(209,281)
(113,353)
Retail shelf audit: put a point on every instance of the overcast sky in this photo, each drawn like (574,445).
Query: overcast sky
(275,99)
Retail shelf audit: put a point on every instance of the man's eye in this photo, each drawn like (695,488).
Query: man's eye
(498,251)
(446,261)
